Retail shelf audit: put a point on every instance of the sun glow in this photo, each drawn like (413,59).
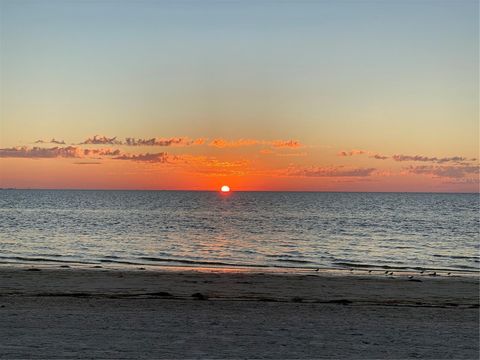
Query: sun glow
(225,189)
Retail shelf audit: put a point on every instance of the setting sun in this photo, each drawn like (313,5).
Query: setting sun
(225,189)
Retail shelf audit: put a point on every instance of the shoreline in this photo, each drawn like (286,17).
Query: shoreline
(180,265)
(401,288)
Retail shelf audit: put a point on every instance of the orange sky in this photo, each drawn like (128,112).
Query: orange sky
(102,162)
(259,95)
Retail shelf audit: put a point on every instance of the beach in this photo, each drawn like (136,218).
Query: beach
(108,312)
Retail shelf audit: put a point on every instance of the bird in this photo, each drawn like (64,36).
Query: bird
(449,273)
(433,274)
(421,272)
(369,271)
(317,269)
(410,277)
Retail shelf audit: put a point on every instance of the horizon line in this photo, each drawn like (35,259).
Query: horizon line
(234,191)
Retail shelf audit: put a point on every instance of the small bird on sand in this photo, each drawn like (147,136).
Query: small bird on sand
(317,269)
(433,274)
(449,273)
(386,272)
(369,271)
(421,272)
(410,277)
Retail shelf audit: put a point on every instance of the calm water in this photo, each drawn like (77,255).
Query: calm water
(435,231)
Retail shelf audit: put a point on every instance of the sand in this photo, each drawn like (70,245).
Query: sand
(82,312)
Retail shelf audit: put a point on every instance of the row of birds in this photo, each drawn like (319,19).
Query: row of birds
(391,273)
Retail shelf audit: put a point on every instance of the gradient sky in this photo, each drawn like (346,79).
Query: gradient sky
(260,95)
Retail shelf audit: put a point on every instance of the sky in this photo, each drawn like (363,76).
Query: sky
(259,95)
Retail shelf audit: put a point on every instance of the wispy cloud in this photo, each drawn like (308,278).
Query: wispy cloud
(352,152)
(212,166)
(401,157)
(38,152)
(428,159)
(55,152)
(161,157)
(101,152)
(87,163)
(53,141)
(331,171)
(448,171)
(363,152)
(286,144)
(175,141)
(223,143)
(379,157)
(101,140)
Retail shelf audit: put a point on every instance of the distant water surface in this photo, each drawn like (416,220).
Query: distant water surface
(274,229)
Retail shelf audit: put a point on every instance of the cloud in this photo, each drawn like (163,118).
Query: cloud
(130,141)
(101,152)
(101,140)
(161,157)
(462,181)
(400,157)
(53,141)
(286,144)
(38,152)
(448,171)
(338,171)
(428,159)
(212,166)
(55,152)
(222,143)
(379,157)
(87,163)
(362,152)
(175,141)
(352,152)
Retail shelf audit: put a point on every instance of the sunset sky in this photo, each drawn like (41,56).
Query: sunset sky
(259,95)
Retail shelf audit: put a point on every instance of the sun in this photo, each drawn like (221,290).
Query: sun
(225,189)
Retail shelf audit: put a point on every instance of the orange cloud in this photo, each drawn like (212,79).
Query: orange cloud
(101,152)
(286,144)
(175,141)
(222,143)
(352,152)
(379,157)
(332,171)
(448,171)
(161,157)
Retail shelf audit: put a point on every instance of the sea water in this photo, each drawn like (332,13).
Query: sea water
(250,229)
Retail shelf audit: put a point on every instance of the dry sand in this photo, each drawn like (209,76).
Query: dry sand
(114,313)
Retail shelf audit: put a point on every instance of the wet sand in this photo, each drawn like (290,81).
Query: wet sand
(114,313)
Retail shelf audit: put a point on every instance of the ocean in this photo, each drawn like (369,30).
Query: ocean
(247,229)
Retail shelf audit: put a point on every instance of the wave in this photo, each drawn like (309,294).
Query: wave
(147,260)
(405,267)
(475,258)
(198,262)
(295,261)
(45,260)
